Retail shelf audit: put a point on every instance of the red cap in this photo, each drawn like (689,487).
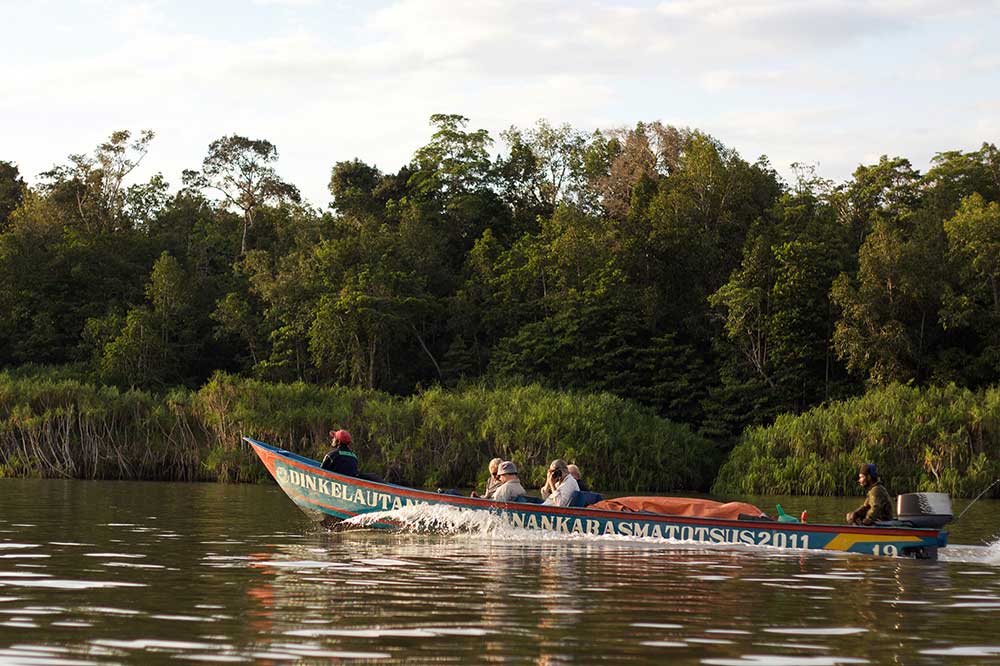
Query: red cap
(341,436)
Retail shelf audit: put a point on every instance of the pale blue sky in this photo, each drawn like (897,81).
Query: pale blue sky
(836,83)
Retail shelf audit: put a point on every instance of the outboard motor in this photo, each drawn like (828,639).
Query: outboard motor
(924,509)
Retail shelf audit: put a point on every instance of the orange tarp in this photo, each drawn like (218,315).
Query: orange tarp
(679,506)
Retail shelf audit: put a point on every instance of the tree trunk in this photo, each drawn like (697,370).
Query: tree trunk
(243,243)
(427,351)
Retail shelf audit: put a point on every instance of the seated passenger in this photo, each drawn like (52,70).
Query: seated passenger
(574,471)
(493,483)
(510,487)
(550,488)
(877,504)
(341,459)
(563,483)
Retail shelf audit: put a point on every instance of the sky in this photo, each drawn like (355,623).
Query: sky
(834,83)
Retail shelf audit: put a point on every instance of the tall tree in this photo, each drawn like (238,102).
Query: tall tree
(31,268)
(889,326)
(454,161)
(11,191)
(974,302)
(545,165)
(633,160)
(888,190)
(91,188)
(974,239)
(156,344)
(353,185)
(451,188)
(776,304)
(955,175)
(242,170)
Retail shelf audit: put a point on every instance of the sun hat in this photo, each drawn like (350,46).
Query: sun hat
(506,467)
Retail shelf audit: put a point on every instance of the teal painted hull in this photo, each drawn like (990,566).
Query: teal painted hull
(329,497)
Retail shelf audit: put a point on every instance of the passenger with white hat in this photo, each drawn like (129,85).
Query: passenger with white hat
(510,487)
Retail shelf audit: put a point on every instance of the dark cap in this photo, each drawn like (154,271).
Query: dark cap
(869,469)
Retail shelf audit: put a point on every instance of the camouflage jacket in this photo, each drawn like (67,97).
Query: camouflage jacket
(877,506)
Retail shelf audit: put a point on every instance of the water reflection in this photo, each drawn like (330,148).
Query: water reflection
(93,573)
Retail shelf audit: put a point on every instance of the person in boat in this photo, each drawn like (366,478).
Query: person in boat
(877,504)
(510,487)
(574,471)
(562,482)
(548,488)
(493,483)
(341,459)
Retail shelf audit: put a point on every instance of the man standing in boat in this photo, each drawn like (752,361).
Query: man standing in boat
(878,505)
(341,459)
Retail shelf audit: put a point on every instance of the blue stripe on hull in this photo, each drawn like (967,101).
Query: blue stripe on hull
(320,492)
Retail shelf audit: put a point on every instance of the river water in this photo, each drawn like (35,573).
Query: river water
(122,572)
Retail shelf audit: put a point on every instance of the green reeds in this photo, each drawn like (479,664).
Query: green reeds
(61,427)
(445,438)
(64,428)
(942,438)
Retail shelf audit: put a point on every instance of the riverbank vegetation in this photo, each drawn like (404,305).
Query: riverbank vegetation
(52,426)
(943,439)
(651,264)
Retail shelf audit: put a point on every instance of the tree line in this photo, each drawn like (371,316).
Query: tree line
(653,263)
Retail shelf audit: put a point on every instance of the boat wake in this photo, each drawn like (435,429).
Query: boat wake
(988,554)
(444,519)
(993,552)
(455,521)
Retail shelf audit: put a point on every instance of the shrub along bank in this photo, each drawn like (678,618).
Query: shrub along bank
(934,439)
(58,426)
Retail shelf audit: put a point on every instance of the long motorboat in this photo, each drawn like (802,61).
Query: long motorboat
(330,498)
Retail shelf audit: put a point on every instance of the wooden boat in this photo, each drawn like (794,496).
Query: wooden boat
(329,498)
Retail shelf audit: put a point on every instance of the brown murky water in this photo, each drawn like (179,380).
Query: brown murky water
(105,572)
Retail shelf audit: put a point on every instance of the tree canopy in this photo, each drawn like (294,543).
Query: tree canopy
(651,262)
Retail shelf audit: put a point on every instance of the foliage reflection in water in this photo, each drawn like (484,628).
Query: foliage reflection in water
(131,572)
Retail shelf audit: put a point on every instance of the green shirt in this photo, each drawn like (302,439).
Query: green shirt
(877,506)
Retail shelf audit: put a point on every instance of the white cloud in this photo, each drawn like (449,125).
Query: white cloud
(285,3)
(823,80)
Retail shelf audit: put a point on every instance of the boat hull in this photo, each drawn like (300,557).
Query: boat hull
(329,497)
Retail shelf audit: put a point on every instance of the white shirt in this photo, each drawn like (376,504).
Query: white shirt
(564,492)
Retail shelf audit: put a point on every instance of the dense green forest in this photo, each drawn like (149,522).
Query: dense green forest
(652,263)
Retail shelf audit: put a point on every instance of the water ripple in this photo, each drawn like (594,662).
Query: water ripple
(966,651)
(238,590)
(816,631)
(776,660)
(70,584)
